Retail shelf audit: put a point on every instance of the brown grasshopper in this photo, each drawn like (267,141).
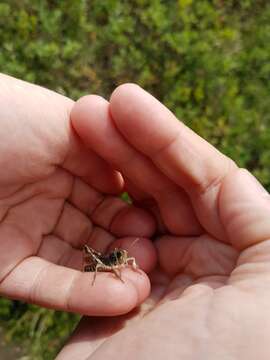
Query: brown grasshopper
(95,261)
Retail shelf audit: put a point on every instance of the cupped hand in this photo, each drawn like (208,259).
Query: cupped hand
(210,294)
(55,196)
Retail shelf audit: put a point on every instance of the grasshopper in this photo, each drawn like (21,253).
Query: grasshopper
(95,261)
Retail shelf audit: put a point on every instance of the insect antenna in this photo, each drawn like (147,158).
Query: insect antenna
(133,243)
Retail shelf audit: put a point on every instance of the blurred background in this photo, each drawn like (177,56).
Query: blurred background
(208,61)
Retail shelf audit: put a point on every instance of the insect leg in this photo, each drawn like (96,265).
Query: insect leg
(117,273)
(133,262)
(90,258)
(88,250)
(98,266)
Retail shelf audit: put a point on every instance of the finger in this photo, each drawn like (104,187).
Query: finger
(180,153)
(183,156)
(245,211)
(57,251)
(142,199)
(91,168)
(100,239)
(76,229)
(122,219)
(37,281)
(42,121)
(91,120)
(195,256)
(111,213)
(142,249)
(73,226)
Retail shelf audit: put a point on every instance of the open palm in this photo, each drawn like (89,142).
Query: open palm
(52,201)
(210,293)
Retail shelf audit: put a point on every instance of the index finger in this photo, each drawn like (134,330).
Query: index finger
(38,281)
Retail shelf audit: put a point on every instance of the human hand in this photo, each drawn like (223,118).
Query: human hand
(210,297)
(52,201)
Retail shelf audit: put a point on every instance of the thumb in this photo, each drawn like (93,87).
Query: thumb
(245,210)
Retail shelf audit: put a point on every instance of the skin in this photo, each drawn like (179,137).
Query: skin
(210,291)
(55,196)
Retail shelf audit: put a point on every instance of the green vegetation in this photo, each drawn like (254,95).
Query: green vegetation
(207,60)
(39,331)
